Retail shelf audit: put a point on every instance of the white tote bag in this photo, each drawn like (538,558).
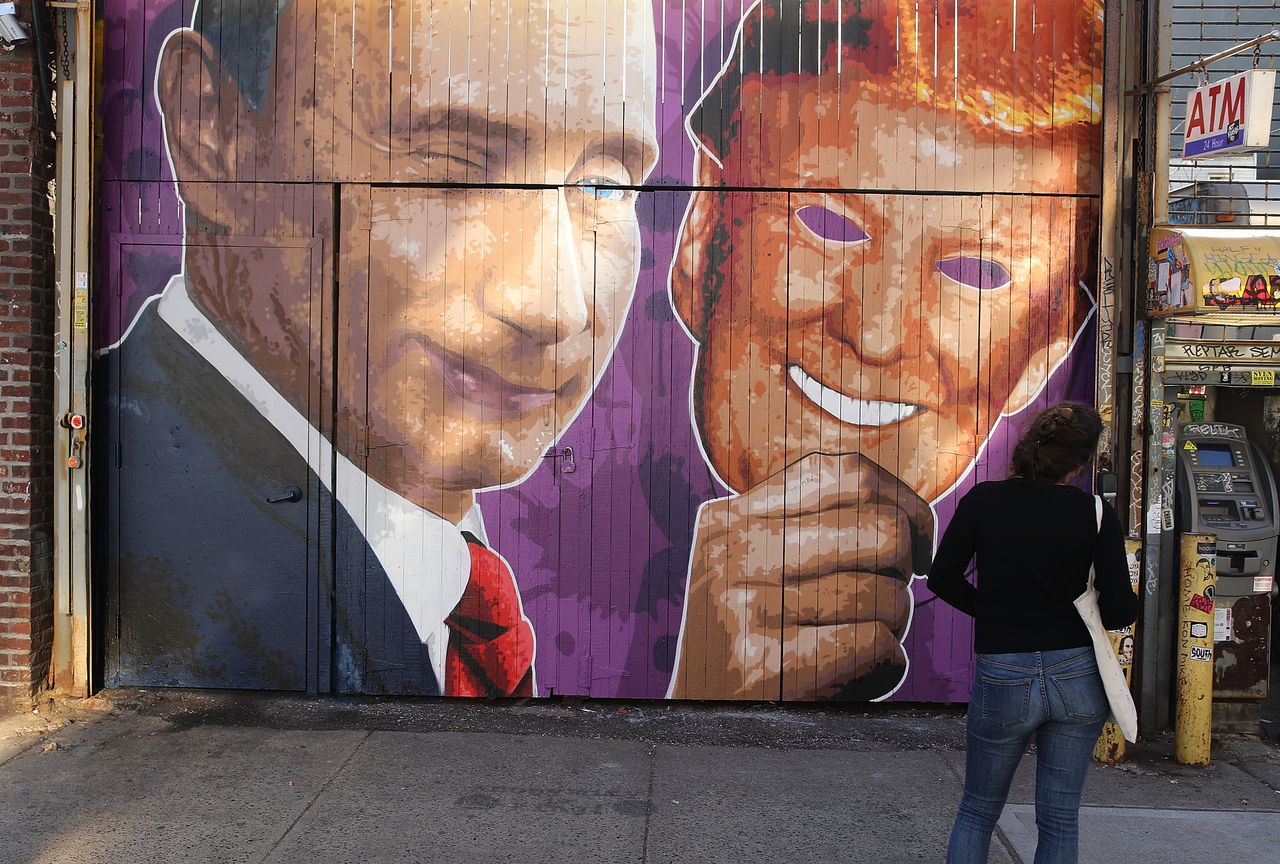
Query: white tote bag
(1123,712)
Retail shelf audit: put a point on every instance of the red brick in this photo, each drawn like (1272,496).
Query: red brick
(17,628)
(27,305)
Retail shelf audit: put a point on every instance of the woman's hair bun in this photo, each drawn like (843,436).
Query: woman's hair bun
(1058,442)
(1049,422)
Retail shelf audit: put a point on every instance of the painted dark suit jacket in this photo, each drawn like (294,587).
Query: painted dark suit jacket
(211,582)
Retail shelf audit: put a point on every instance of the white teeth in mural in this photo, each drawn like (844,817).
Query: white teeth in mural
(859,412)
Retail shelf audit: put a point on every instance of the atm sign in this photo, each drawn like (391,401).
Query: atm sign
(1230,116)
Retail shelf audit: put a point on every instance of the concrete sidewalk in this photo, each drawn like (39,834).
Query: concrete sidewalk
(200,777)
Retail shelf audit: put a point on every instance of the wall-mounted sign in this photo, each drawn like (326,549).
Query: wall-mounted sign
(1198,270)
(1229,356)
(1230,116)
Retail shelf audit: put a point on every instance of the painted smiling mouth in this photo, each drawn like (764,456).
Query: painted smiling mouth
(858,412)
(478,385)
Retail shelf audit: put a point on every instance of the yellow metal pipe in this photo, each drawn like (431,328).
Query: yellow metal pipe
(1199,573)
(1110,746)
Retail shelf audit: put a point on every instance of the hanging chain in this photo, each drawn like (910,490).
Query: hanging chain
(62,35)
(1257,55)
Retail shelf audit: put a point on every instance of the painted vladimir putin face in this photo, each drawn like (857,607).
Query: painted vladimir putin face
(898,326)
(474,317)
(492,312)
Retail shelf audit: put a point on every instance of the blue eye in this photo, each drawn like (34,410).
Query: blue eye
(603,189)
(830,225)
(607,193)
(975,272)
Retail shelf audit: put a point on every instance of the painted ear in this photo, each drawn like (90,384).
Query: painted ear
(692,258)
(200,103)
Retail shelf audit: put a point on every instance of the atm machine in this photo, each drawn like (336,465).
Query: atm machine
(1225,487)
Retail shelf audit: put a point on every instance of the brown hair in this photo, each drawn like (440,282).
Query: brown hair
(1059,441)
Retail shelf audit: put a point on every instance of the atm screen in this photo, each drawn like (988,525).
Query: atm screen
(1216,456)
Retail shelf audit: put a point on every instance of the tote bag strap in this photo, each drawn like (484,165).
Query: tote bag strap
(1097,509)
(1097,529)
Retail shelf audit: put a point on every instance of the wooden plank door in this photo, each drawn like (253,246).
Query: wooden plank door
(450,383)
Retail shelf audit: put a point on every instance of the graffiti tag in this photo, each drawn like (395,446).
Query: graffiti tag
(1212,430)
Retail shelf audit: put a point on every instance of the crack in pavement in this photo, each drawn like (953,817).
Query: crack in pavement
(1245,767)
(648,810)
(324,787)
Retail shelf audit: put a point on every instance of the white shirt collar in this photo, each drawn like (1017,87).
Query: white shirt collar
(425,557)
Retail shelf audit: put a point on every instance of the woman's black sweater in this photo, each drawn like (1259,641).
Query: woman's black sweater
(1034,544)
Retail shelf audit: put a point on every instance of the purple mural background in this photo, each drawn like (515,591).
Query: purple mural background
(600,555)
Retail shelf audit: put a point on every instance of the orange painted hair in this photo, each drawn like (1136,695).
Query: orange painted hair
(1018,67)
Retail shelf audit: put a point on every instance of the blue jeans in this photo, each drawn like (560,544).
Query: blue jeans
(1056,696)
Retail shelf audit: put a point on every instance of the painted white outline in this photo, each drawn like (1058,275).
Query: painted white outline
(173,173)
(738,48)
(326,455)
(332,448)
(134,323)
(182,272)
(699,150)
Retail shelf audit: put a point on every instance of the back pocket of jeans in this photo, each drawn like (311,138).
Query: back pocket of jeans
(1005,700)
(1082,694)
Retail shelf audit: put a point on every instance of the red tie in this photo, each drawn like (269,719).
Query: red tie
(490,642)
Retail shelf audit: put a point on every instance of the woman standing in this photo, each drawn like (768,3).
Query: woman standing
(1034,538)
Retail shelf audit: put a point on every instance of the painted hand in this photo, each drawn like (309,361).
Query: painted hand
(799,587)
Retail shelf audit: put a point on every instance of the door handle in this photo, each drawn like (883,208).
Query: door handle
(291,493)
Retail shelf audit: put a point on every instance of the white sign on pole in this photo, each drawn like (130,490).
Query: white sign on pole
(1230,116)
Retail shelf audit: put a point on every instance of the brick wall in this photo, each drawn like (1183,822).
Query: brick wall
(26,382)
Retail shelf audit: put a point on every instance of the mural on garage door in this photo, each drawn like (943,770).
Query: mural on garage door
(537,347)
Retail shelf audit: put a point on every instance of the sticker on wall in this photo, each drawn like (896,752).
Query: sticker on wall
(80,302)
(80,309)
(1222,631)
(1153,519)
(1202,603)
